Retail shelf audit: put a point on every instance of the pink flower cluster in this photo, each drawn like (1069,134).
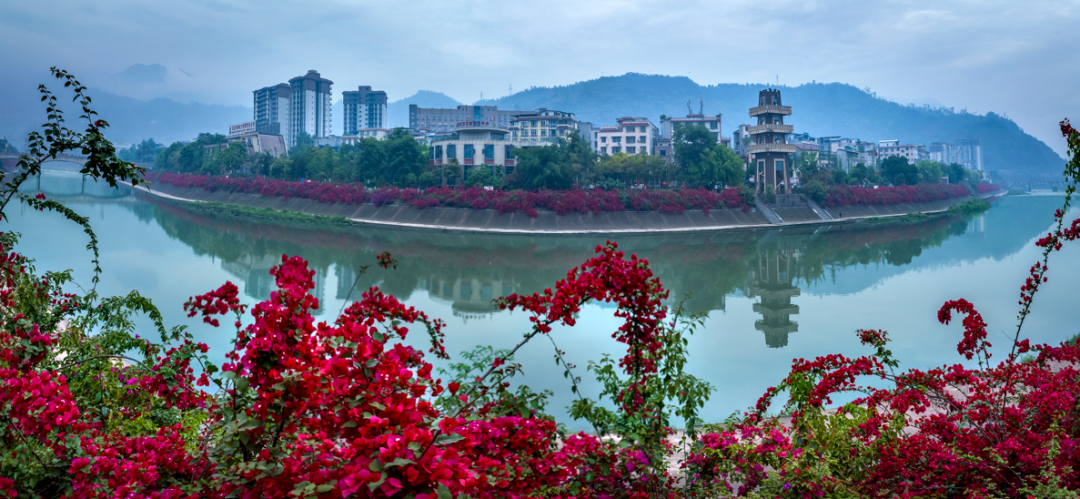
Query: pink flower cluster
(844,195)
(512,201)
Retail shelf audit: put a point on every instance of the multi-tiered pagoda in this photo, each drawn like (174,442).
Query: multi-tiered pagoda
(768,151)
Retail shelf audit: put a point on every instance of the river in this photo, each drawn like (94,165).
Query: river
(770,295)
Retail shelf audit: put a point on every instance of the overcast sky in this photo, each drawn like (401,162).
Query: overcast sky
(1020,59)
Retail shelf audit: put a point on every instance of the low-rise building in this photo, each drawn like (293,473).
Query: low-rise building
(631,136)
(257,143)
(913,153)
(474,146)
(669,124)
(363,133)
(543,125)
(446,120)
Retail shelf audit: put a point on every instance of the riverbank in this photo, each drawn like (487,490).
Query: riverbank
(493,222)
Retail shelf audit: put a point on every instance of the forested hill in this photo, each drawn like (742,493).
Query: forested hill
(819,109)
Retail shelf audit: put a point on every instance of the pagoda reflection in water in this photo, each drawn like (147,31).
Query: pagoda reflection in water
(772,280)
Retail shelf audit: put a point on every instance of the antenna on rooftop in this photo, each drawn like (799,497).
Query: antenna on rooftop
(511,89)
(689,109)
(701,110)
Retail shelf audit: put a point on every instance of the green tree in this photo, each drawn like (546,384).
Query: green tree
(860,173)
(839,176)
(479,177)
(929,172)
(452,172)
(806,164)
(815,190)
(897,171)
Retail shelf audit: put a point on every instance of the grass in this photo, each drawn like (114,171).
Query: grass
(1017,192)
(268,214)
(971,206)
(913,217)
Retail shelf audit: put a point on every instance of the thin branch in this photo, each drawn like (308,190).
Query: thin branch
(80,361)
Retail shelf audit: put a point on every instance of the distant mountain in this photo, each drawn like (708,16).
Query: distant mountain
(131,120)
(144,73)
(398,111)
(819,109)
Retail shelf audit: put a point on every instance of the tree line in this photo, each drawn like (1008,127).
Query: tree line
(894,170)
(699,161)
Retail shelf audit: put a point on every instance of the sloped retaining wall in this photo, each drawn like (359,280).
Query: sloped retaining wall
(491,221)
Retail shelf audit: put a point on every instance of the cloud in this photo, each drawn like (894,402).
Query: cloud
(1015,58)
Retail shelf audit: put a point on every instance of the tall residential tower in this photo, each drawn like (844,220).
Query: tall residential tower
(364,109)
(272,109)
(309,107)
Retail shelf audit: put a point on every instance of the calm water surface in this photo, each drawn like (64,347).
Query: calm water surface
(771,295)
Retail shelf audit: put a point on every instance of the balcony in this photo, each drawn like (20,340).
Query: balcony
(771,128)
(760,148)
(770,109)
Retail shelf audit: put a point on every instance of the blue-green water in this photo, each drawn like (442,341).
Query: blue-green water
(771,295)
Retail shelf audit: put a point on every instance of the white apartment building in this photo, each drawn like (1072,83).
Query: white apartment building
(631,136)
(363,109)
(309,107)
(913,153)
(271,105)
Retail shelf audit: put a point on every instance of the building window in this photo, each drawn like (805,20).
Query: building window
(489,151)
(603,139)
(534,132)
(508,152)
(451,151)
(603,150)
(641,140)
(630,139)
(779,164)
(616,139)
(631,150)
(663,152)
(468,151)
(543,132)
(533,123)
(615,149)
(641,129)
(712,125)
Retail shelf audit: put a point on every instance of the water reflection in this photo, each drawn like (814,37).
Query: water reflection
(468,271)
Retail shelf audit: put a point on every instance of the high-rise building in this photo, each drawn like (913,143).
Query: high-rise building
(309,107)
(364,109)
(272,109)
(968,152)
(768,148)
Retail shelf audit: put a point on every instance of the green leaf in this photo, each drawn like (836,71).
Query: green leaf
(324,488)
(443,492)
(448,439)
(398,462)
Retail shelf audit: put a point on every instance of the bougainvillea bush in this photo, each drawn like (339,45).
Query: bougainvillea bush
(1005,429)
(984,188)
(477,198)
(844,195)
(92,407)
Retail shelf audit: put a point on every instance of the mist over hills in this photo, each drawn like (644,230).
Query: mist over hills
(820,109)
(130,120)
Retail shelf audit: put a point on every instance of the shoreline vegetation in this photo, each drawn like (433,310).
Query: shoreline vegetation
(312,202)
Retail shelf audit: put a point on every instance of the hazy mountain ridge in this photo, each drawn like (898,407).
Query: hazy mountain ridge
(820,109)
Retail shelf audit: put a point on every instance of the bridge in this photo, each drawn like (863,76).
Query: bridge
(1040,184)
(10,161)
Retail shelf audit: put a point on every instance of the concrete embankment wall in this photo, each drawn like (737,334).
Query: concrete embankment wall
(491,221)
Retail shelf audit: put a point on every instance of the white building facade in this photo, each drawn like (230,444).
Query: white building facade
(309,107)
(631,136)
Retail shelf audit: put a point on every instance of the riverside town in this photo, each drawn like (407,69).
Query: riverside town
(481,255)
